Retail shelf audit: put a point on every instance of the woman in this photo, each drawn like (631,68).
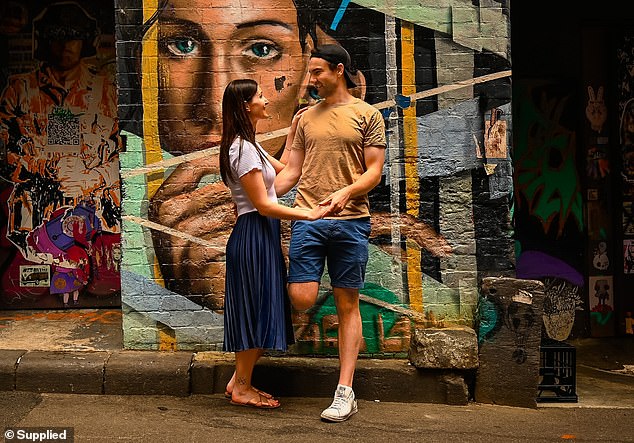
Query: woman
(257,310)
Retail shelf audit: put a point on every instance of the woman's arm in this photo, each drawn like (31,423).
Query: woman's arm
(253,184)
(277,164)
(290,137)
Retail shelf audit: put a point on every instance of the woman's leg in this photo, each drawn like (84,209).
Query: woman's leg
(232,382)
(242,391)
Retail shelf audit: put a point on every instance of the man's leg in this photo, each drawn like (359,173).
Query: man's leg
(344,404)
(347,259)
(303,295)
(349,332)
(307,256)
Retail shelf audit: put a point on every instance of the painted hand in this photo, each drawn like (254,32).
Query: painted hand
(188,267)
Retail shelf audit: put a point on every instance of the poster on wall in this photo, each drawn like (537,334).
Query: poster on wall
(628,219)
(601,292)
(35,276)
(59,165)
(600,256)
(628,256)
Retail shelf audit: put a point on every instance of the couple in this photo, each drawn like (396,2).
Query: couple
(338,148)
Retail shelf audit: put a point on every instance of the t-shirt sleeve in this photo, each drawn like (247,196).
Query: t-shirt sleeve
(249,159)
(298,141)
(375,131)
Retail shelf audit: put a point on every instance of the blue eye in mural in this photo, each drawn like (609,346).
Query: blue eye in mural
(183,46)
(262,50)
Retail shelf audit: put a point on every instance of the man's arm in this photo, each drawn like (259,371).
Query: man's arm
(374,158)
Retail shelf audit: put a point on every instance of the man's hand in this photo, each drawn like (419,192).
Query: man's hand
(336,201)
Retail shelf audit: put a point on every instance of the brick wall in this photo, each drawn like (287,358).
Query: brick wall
(440,75)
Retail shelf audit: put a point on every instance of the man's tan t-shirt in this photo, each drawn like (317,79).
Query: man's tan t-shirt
(333,138)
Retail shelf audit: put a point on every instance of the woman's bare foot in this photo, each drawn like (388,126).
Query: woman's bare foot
(253,397)
(231,384)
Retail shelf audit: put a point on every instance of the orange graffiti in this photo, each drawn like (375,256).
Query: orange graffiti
(106,317)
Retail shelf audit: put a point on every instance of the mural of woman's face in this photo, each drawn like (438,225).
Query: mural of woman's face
(204,45)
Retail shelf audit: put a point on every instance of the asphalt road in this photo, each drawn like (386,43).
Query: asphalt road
(109,418)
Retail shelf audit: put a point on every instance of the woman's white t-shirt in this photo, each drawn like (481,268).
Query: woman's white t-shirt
(248,161)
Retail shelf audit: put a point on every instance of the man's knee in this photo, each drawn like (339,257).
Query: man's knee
(303,295)
(347,301)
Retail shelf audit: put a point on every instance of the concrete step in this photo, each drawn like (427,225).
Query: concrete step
(183,373)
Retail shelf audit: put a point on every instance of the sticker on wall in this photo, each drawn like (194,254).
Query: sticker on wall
(627,171)
(35,276)
(495,136)
(628,219)
(602,301)
(600,259)
(593,194)
(628,256)
(601,292)
(597,163)
(596,110)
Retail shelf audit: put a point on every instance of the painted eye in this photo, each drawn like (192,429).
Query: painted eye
(262,50)
(184,46)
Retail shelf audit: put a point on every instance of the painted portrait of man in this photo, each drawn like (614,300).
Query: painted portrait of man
(59,140)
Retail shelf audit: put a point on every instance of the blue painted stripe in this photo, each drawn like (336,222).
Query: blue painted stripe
(339,15)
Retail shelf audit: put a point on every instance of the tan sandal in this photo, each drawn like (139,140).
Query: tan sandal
(259,403)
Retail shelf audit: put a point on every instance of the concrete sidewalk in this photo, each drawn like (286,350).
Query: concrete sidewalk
(81,351)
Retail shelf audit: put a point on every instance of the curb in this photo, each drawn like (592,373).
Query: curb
(184,373)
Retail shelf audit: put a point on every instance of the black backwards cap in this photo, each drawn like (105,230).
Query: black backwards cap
(336,54)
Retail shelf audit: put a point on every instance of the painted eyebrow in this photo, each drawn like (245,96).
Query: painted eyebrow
(189,26)
(255,23)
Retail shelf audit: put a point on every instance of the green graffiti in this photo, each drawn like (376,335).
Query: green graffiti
(546,160)
(487,318)
(602,318)
(369,317)
(64,114)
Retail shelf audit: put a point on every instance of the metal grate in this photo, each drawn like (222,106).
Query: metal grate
(557,372)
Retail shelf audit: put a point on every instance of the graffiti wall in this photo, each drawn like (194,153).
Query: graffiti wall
(548,211)
(625,125)
(59,145)
(440,75)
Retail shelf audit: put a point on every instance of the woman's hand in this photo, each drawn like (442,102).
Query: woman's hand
(317,212)
(296,118)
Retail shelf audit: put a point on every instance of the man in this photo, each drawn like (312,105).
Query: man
(339,150)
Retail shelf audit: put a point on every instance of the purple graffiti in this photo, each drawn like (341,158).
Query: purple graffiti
(536,265)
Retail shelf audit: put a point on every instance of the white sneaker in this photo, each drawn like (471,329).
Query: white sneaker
(343,406)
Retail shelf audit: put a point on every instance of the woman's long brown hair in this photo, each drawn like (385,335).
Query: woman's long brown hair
(235,122)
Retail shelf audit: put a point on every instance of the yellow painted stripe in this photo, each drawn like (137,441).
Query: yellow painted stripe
(149,88)
(167,338)
(149,85)
(410,141)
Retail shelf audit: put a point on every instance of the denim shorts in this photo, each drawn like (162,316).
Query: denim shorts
(342,243)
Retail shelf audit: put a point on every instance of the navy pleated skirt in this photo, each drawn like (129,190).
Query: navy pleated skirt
(257,309)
